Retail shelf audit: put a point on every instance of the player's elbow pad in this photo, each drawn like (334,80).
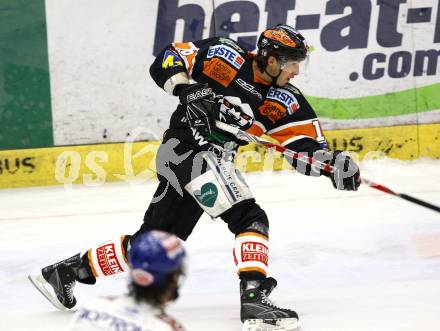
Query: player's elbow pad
(175,83)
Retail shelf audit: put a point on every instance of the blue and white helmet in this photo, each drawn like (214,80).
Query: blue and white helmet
(153,256)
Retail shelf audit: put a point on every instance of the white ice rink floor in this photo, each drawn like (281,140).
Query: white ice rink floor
(345,261)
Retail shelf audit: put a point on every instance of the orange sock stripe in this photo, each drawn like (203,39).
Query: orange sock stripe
(89,255)
(252,269)
(251,234)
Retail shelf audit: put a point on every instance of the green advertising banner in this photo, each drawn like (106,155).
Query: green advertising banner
(25,103)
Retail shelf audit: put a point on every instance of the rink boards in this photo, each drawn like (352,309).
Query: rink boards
(93,165)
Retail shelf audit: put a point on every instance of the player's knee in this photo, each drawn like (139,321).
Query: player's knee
(259,228)
(247,217)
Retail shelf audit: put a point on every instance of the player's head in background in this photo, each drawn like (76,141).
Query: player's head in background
(281,49)
(156,259)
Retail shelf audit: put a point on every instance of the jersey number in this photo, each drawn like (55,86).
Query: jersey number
(319,136)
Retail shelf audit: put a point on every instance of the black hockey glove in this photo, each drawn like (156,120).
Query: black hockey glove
(201,108)
(346,176)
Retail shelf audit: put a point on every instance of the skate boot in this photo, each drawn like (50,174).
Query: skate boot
(259,313)
(62,277)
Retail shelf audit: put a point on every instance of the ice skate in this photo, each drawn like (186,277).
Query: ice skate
(56,282)
(258,313)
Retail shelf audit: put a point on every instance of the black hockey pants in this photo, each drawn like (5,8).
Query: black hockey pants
(178,214)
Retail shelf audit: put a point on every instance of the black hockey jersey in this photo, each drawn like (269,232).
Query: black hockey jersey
(282,113)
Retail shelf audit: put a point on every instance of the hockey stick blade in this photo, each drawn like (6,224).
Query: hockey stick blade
(40,284)
(419,202)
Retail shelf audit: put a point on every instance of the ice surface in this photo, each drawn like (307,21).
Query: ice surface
(344,261)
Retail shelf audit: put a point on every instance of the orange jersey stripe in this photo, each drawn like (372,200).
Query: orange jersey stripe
(294,131)
(255,130)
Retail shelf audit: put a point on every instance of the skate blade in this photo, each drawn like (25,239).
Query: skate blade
(40,284)
(283,324)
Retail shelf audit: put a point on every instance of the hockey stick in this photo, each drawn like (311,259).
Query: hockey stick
(318,164)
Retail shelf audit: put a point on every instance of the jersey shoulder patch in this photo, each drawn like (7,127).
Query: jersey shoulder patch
(223,60)
(227,54)
(187,52)
(171,60)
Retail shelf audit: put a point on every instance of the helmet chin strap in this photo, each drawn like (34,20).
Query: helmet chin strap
(274,78)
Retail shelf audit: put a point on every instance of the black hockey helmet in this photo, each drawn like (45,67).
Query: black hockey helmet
(284,42)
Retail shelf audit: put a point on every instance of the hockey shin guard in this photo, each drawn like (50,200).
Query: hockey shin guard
(251,255)
(109,258)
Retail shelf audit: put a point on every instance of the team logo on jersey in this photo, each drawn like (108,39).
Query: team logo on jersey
(187,52)
(171,60)
(219,71)
(285,98)
(226,53)
(249,87)
(272,110)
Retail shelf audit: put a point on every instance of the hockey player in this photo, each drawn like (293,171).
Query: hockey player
(156,264)
(217,80)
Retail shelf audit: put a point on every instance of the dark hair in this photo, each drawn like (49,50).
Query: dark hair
(261,60)
(146,294)
(152,294)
